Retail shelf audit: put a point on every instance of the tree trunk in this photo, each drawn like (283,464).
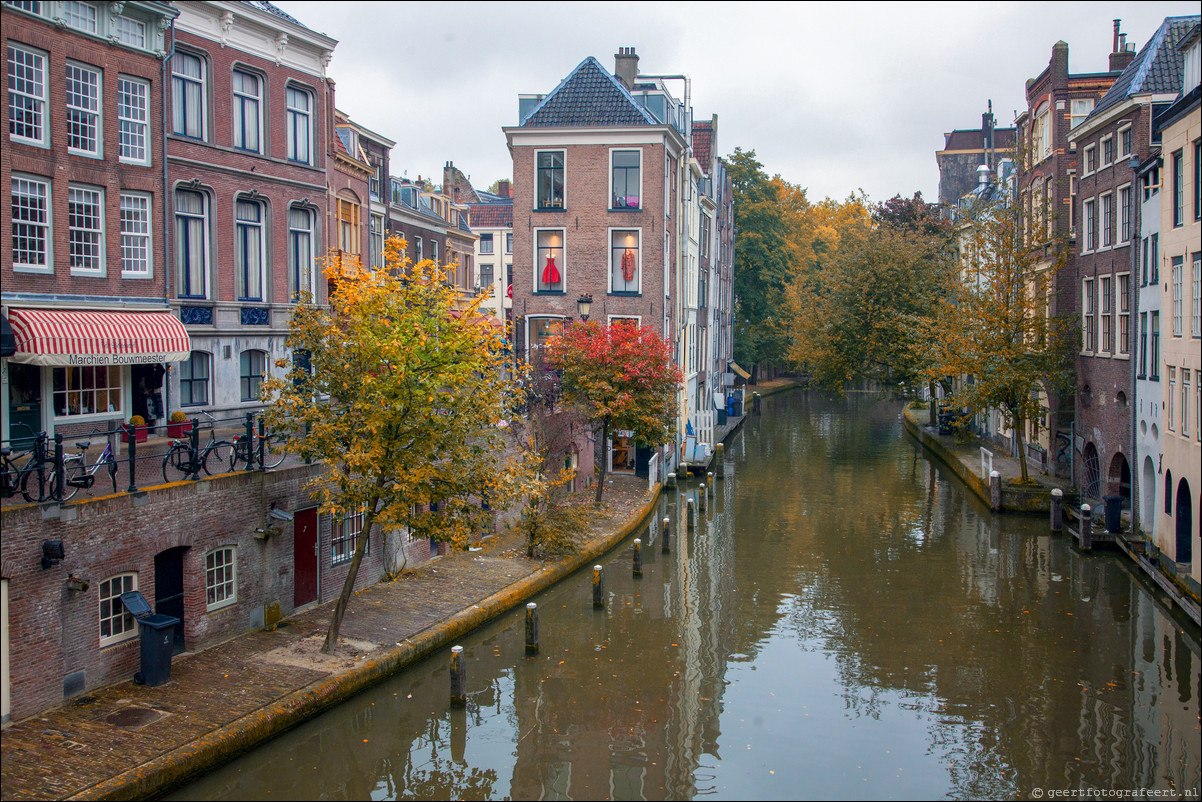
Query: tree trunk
(349,585)
(604,458)
(1022,449)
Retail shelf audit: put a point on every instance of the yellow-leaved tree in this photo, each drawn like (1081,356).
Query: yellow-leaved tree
(398,386)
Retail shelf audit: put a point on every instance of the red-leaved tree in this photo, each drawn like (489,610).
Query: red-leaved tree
(621,376)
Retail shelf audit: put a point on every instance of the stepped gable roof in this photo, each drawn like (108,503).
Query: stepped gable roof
(492,215)
(703,142)
(1003,139)
(1156,69)
(589,96)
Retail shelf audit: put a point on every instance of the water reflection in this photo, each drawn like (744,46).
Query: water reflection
(842,621)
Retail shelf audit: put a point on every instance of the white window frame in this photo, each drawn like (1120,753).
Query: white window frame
(1106,289)
(612,153)
(130,31)
(113,390)
(508,242)
(1170,411)
(1178,289)
(91,113)
(221,578)
(538,200)
(375,240)
(1106,221)
(540,264)
(1122,312)
(612,319)
(638,231)
(250,383)
(135,239)
(295,116)
(1089,225)
(1123,194)
(434,251)
(96,233)
(530,319)
(1078,111)
(487,237)
(1043,133)
(133,132)
(118,617)
(240,99)
(1088,316)
(1185,377)
(1124,132)
(46,226)
(1196,296)
(1089,160)
(35,88)
(1102,156)
(193,380)
(344,536)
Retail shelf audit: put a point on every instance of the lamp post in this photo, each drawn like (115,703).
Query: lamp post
(584,305)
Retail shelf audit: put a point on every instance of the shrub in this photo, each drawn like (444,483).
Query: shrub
(137,420)
(178,416)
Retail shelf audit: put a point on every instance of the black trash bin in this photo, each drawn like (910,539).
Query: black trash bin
(736,406)
(157,635)
(1114,513)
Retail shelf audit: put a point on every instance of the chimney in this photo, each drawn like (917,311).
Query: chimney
(626,66)
(1122,54)
(503,189)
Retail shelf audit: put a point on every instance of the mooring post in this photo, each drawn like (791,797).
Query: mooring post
(638,557)
(531,628)
(1057,510)
(720,458)
(682,470)
(688,522)
(598,587)
(458,694)
(756,402)
(665,540)
(1086,530)
(995,491)
(670,481)
(702,493)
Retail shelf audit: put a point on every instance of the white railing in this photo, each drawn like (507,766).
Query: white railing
(653,477)
(986,462)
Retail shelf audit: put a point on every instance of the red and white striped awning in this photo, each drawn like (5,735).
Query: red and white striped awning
(68,338)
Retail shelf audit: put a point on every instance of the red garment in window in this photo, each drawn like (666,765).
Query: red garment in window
(628,265)
(550,272)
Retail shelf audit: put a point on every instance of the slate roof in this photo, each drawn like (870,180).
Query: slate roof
(589,96)
(492,215)
(1156,69)
(275,11)
(1003,139)
(703,142)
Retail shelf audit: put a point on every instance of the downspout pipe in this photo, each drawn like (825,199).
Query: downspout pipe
(168,265)
(1136,215)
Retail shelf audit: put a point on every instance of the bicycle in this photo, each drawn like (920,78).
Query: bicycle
(269,451)
(179,456)
(15,474)
(78,475)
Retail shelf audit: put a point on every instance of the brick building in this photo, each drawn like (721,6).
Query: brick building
(492,220)
(964,150)
(84,270)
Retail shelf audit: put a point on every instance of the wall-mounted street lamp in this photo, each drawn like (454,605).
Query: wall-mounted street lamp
(584,305)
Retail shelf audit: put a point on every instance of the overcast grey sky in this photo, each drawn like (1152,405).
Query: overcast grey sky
(834,97)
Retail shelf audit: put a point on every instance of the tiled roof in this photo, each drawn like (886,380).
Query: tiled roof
(703,141)
(275,11)
(1156,69)
(588,96)
(1003,139)
(492,215)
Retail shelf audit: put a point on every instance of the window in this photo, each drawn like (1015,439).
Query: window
(248,250)
(247,100)
(1143,346)
(1178,189)
(32,6)
(83,109)
(80,16)
(31,224)
(135,236)
(86,390)
(1091,159)
(373,183)
(434,250)
(1107,220)
(27,96)
(1154,260)
(1198,180)
(1143,262)
(85,229)
(116,623)
(1090,212)
(300,125)
(221,571)
(1154,360)
(133,120)
(1042,139)
(194,380)
(486,277)
(486,244)
(1124,214)
(1178,292)
(542,329)
(1171,411)
(344,537)
(549,180)
(508,243)
(1125,142)
(348,226)
(191,243)
(1088,313)
(1185,403)
(376,241)
(548,261)
(624,261)
(1195,325)
(1107,299)
(300,252)
(1124,305)
(417,249)
(252,367)
(625,180)
(130,32)
(1079,111)
(1107,151)
(187,95)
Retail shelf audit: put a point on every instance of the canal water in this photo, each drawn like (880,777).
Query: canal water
(844,622)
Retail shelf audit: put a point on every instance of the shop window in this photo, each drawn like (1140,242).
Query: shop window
(549,261)
(87,390)
(624,261)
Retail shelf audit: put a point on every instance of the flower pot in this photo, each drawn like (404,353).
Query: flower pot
(181,429)
(140,434)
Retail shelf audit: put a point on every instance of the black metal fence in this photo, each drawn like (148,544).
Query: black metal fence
(39,467)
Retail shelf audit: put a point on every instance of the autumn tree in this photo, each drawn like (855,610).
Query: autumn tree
(399,394)
(621,376)
(994,329)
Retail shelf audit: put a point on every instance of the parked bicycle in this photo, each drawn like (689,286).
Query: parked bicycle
(178,464)
(78,475)
(19,466)
(268,450)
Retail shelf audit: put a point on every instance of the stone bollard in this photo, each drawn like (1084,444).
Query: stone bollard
(720,459)
(702,494)
(670,481)
(665,541)
(1085,533)
(598,587)
(689,522)
(531,628)
(755,402)
(458,678)
(682,471)
(995,491)
(709,482)
(638,557)
(1057,510)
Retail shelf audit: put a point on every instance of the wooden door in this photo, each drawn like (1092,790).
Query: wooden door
(304,557)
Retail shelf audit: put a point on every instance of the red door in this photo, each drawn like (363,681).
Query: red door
(304,557)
